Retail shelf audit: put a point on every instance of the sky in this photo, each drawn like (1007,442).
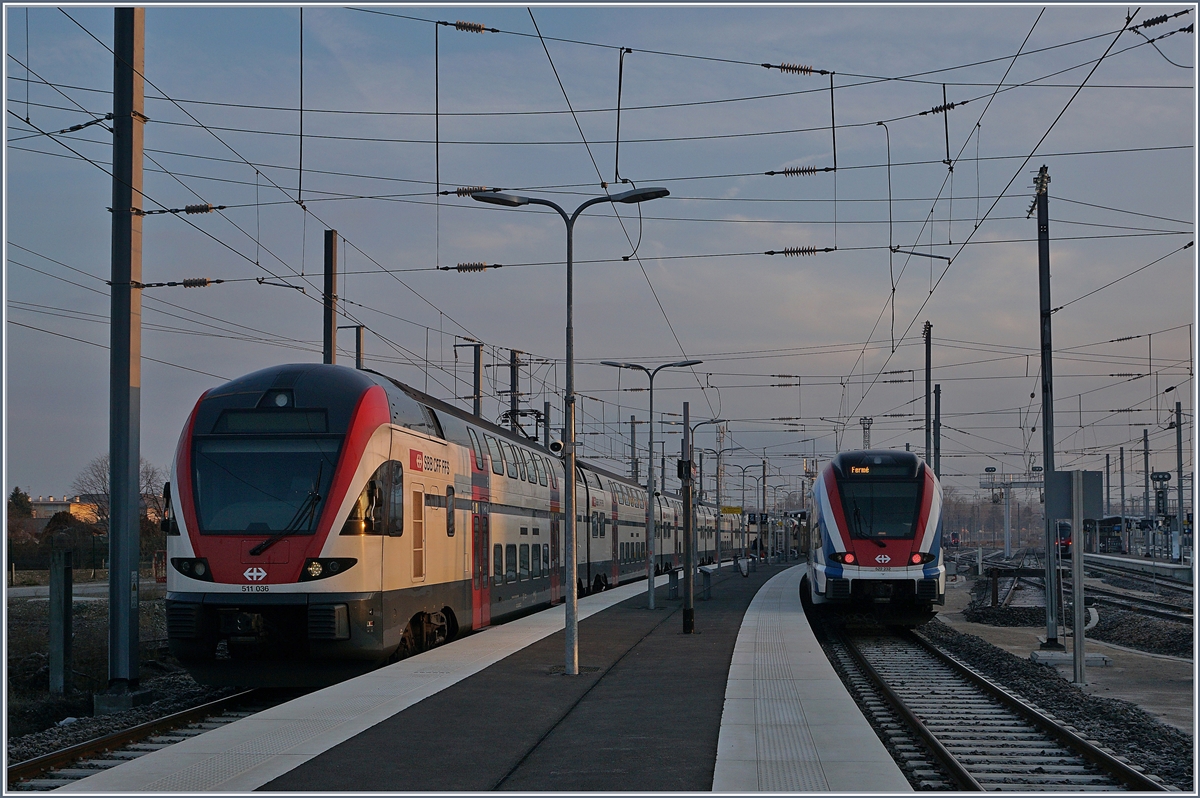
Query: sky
(795,349)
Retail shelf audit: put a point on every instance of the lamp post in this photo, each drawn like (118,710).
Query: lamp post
(744,530)
(515,201)
(650,466)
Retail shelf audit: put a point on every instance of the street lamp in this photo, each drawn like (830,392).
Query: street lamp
(650,468)
(571,565)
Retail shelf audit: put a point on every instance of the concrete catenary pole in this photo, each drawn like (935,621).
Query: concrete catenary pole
(1177,539)
(1124,521)
(329,299)
(125,353)
(477,385)
(937,430)
(1043,227)
(514,365)
(1080,613)
(1146,473)
(633,458)
(763,514)
(689,551)
(928,331)
(546,424)
(1107,488)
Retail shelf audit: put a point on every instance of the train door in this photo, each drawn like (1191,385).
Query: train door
(555,574)
(481,608)
(616,552)
(417,494)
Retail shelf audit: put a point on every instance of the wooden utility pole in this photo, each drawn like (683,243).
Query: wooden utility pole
(125,353)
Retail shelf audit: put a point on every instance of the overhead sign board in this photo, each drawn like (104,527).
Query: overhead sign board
(1058,495)
(731,510)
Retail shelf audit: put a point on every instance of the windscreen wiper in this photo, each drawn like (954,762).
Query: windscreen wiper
(306,512)
(857,518)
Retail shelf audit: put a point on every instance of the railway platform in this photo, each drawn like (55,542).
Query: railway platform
(749,703)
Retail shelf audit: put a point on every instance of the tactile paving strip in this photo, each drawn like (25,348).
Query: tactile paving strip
(787,755)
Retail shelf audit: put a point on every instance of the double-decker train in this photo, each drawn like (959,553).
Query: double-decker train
(324,520)
(876,546)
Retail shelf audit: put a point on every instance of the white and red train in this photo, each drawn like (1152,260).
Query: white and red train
(876,548)
(325,520)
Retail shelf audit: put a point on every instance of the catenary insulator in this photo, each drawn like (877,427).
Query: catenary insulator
(196,282)
(470,27)
(475,266)
(466,191)
(796,69)
(205,208)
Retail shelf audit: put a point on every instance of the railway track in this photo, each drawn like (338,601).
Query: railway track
(973,735)
(79,761)
(1155,582)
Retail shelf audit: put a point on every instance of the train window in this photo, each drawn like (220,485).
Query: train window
(603,524)
(527,470)
(475,449)
(514,464)
(546,560)
(523,573)
(497,564)
(479,554)
(366,512)
(496,455)
(510,563)
(535,570)
(395,525)
(579,476)
(552,474)
(449,511)
(595,526)
(418,533)
(540,466)
(537,530)
(524,530)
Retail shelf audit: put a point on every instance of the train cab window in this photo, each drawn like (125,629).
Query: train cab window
(476,449)
(540,467)
(497,564)
(368,512)
(496,455)
(510,563)
(523,573)
(449,511)
(535,570)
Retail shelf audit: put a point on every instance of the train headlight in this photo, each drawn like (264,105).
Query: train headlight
(921,557)
(845,557)
(195,567)
(325,567)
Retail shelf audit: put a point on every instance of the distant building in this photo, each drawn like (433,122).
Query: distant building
(85,508)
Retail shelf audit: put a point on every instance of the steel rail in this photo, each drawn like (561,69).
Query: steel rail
(1107,762)
(38,765)
(955,768)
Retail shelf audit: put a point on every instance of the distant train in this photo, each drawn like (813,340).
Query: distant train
(876,547)
(325,520)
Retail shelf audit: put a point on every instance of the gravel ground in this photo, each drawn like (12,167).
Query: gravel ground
(1123,727)
(1162,594)
(175,692)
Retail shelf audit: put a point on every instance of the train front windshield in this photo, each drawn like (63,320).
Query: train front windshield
(262,485)
(880,509)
